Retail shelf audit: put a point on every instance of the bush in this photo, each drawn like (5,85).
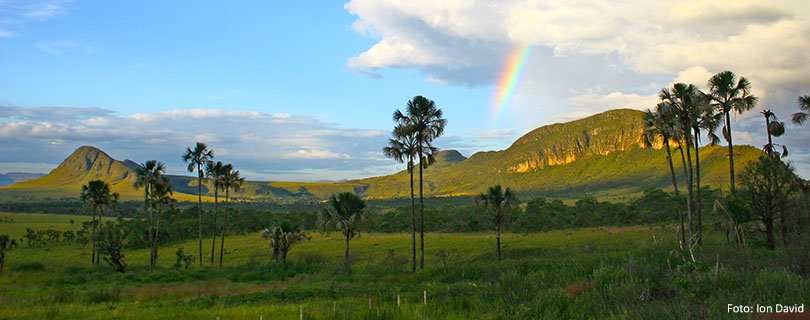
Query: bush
(110,242)
(30,266)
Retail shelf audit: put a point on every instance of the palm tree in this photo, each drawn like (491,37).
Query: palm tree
(230,181)
(660,123)
(346,214)
(214,172)
(774,128)
(282,237)
(403,146)
(161,198)
(6,243)
(804,105)
(680,98)
(196,159)
(728,93)
(150,176)
(427,124)
(704,118)
(96,195)
(498,202)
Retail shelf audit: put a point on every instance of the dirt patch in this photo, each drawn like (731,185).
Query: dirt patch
(577,288)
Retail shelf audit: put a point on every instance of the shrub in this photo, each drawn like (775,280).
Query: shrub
(30,266)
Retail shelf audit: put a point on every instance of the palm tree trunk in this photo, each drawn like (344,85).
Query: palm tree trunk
(199,201)
(413,218)
(771,243)
(689,190)
(675,185)
(498,239)
(93,257)
(151,235)
(157,235)
(98,254)
(698,204)
(214,241)
(346,256)
(768,130)
(224,225)
(730,152)
(421,215)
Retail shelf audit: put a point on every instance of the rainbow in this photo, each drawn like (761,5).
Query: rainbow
(509,79)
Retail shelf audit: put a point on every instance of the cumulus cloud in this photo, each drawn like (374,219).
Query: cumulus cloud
(253,141)
(598,54)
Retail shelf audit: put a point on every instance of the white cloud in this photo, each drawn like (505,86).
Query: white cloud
(593,55)
(436,81)
(14,13)
(252,141)
(313,154)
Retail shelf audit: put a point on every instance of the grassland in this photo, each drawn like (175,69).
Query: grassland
(602,273)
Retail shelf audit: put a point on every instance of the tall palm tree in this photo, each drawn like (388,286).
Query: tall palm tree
(196,159)
(804,105)
(498,202)
(774,128)
(660,124)
(345,212)
(215,171)
(680,98)
(96,195)
(404,146)
(704,118)
(426,121)
(230,181)
(161,198)
(730,93)
(150,176)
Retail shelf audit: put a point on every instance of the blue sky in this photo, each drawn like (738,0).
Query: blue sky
(305,90)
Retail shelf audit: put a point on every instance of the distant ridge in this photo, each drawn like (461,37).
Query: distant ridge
(600,155)
(14,177)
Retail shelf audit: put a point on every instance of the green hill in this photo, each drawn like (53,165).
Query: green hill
(599,155)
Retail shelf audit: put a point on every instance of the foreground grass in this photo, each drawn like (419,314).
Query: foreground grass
(627,272)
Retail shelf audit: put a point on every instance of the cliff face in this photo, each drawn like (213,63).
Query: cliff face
(559,144)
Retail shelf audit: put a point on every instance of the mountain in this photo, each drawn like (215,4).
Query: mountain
(14,177)
(598,155)
(601,155)
(83,165)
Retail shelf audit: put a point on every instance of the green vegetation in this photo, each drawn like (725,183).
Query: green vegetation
(804,110)
(614,272)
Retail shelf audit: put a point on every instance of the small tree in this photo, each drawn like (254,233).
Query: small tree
(6,243)
(182,259)
(498,202)
(346,212)
(767,186)
(110,242)
(282,237)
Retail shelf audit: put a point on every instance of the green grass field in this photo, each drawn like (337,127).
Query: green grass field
(599,273)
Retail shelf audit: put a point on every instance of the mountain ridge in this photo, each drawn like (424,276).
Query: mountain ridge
(602,153)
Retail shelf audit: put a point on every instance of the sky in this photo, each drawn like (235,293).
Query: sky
(305,90)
